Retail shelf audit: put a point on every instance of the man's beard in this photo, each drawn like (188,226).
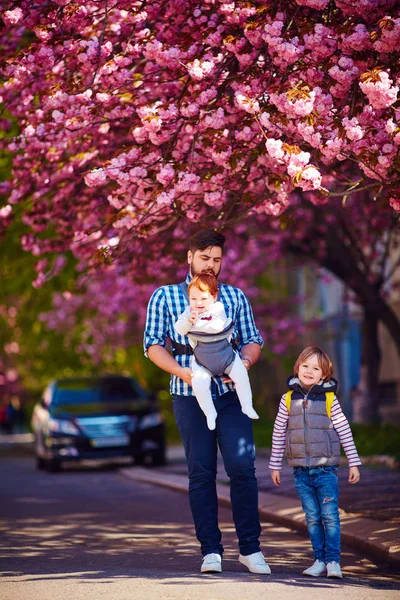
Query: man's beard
(208,270)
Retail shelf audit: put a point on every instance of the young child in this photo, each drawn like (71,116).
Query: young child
(209,330)
(310,425)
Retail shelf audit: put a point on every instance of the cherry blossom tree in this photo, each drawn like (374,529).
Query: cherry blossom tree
(140,120)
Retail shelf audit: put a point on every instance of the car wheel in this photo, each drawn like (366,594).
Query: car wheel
(158,458)
(53,465)
(40,463)
(140,459)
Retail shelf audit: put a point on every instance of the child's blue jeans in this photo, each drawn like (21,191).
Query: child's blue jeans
(318,491)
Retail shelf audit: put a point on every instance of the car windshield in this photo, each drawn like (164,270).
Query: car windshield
(98,396)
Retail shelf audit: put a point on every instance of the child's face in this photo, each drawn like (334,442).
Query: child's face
(200,301)
(310,372)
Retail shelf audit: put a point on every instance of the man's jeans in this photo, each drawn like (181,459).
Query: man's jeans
(234,435)
(318,490)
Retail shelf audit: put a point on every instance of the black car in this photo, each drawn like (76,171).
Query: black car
(97,417)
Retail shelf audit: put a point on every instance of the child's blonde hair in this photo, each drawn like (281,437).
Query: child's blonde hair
(323,361)
(206,282)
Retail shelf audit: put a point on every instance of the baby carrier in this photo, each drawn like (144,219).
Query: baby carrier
(212,351)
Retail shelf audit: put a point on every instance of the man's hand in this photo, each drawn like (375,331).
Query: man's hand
(354,475)
(247,364)
(186,375)
(276,477)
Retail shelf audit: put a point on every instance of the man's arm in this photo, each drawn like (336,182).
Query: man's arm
(250,341)
(155,335)
(163,359)
(250,353)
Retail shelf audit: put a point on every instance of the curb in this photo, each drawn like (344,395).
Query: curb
(27,439)
(372,537)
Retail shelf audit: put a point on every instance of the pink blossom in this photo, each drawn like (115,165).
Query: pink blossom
(166,174)
(214,199)
(317,4)
(382,93)
(12,17)
(95,178)
(395,204)
(353,129)
(140,134)
(5,211)
(200,69)
(389,38)
(189,110)
(311,179)
(250,105)
(187,182)
(58,116)
(274,148)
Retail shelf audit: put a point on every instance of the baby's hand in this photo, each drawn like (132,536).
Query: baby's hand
(354,475)
(276,477)
(192,317)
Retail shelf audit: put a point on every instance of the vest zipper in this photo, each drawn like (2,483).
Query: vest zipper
(306,427)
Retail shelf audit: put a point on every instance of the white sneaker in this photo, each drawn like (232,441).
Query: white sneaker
(316,570)
(334,570)
(255,563)
(212,563)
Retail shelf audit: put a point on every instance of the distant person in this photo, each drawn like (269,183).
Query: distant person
(234,432)
(311,426)
(209,331)
(17,415)
(4,424)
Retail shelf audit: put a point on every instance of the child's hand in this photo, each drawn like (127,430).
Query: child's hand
(276,477)
(193,317)
(354,475)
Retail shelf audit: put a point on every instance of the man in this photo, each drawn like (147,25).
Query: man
(233,432)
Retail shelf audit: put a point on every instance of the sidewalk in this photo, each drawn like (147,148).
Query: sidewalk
(369,510)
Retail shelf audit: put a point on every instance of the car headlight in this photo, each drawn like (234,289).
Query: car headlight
(150,421)
(62,426)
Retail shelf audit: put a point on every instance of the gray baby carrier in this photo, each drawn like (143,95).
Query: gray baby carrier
(212,351)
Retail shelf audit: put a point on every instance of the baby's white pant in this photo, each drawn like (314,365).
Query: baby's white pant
(201,383)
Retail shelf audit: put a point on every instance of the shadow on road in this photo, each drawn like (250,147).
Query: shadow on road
(94,525)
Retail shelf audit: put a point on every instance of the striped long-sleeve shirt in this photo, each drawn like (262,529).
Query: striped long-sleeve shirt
(166,305)
(339,422)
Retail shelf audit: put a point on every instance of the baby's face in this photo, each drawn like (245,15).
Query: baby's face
(200,301)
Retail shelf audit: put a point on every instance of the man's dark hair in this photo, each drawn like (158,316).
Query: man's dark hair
(205,238)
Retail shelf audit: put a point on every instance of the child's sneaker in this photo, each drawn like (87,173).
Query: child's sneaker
(317,569)
(334,570)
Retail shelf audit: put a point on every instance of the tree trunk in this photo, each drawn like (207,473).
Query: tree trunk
(370,363)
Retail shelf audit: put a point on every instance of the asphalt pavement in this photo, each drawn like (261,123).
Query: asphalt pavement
(369,510)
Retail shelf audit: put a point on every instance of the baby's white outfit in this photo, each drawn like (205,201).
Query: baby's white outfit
(214,322)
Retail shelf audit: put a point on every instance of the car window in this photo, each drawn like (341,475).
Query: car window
(94,396)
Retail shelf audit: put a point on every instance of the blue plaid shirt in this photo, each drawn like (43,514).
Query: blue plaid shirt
(165,306)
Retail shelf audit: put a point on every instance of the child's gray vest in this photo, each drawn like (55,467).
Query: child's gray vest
(212,351)
(311,439)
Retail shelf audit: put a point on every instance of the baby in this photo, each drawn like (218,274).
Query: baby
(209,330)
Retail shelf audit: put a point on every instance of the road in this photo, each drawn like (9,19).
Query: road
(91,533)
